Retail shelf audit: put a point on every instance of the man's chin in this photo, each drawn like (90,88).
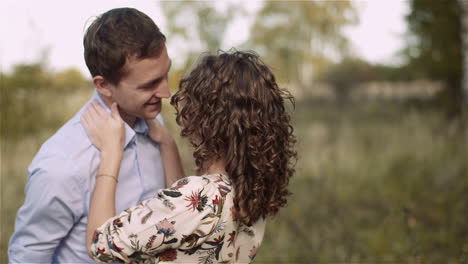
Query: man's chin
(150,115)
(151,111)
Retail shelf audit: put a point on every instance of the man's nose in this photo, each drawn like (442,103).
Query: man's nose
(163,90)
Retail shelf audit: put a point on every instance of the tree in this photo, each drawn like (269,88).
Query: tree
(20,107)
(464,4)
(345,75)
(195,27)
(296,37)
(198,24)
(27,91)
(435,47)
(69,80)
(351,71)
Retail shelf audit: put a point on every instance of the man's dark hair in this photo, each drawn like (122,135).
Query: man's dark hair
(116,36)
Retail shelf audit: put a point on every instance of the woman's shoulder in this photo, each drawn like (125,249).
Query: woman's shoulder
(207,181)
(194,190)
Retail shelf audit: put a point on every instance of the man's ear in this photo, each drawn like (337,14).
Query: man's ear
(102,85)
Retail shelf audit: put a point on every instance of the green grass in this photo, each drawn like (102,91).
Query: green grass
(374,183)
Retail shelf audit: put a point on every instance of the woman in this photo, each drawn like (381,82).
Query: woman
(233,113)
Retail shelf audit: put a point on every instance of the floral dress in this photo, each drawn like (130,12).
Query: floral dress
(194,221)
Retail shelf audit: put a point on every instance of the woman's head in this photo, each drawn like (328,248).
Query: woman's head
(231,108)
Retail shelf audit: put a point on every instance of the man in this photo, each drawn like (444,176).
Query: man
(127,57)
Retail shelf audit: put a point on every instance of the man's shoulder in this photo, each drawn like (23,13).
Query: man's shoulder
(66,149)
(71,137)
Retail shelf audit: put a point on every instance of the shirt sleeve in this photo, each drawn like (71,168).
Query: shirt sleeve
(53,204)
(181,217)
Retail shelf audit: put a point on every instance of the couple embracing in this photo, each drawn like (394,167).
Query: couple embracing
(109,185)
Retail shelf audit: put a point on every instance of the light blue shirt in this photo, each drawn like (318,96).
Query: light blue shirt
(51,225)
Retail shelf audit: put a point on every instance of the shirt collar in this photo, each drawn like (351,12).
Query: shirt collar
(140,124)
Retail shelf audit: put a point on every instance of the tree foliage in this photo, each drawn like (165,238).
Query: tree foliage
(69,79)
(353,70)
(297,37)
(191,21)
(434,48)
(465,46)
(26,93)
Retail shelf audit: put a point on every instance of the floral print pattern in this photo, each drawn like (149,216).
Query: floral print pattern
(194,221)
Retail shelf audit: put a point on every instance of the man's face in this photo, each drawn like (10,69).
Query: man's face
(139,93)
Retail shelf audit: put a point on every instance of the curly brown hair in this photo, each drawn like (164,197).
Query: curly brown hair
(231,108)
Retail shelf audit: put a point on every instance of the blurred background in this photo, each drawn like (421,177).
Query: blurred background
(380,114)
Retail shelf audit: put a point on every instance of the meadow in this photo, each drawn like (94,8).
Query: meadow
(375,182)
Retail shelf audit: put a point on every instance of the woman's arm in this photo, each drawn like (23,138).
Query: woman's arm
(173,169)
(176,220)
(107,133)
(102,205)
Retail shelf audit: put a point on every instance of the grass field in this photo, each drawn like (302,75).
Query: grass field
(375,183)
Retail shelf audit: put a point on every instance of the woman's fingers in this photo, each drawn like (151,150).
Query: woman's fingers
(96,111)
(100,110)
(87,115)
(91,117)
(95,115)
(153,123)
(84,121)
(91,108)
(104,129)
(148,122)
(88,124)
(115,111)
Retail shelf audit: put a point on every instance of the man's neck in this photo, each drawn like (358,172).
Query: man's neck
(129,119)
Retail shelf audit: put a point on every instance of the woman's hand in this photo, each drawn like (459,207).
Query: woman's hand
(157,132)
(106,131)
(172,163)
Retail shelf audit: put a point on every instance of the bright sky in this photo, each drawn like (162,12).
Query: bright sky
(28,27)
(380,33)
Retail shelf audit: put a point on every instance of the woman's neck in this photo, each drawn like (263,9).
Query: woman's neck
(215,167)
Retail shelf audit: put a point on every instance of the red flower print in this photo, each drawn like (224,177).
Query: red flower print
(223,190)
(168,255)
(179,184)
(96,236)
(117,222)
(216,200)
(101,250)
(219,239)
(232,236)
(197,201)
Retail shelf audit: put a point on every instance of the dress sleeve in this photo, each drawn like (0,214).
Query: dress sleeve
(182,215)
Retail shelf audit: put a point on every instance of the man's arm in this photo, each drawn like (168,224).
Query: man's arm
(52,206)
